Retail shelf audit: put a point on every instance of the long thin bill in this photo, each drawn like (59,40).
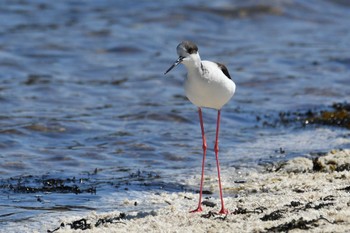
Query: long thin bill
(178,61)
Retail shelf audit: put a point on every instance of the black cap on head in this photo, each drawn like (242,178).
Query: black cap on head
(183,50)
(186,47)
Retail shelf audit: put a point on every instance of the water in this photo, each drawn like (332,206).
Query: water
(84,100)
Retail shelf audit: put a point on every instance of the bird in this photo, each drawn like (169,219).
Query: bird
(207,85)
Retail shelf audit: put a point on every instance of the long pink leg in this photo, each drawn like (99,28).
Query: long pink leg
(216,149)
(204,146)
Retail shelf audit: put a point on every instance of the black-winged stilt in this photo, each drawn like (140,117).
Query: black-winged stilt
(208,85)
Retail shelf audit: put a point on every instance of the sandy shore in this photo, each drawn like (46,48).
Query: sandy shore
(298,195)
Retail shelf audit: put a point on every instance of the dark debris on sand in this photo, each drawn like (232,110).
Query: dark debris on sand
(294,206)
(88,184)
(84,224)
(300,223)
(214,215)
(273,216)
(297,206)
(241,210)
(336,115)
(31,184)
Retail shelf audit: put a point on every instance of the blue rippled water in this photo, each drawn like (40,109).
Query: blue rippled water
(84,100)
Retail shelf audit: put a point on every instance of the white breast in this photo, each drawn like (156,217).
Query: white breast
(209,87)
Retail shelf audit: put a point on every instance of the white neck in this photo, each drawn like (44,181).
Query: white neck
(193,63)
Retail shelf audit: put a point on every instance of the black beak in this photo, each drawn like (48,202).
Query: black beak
(178,61)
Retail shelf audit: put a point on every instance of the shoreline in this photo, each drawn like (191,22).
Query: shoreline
(297,195)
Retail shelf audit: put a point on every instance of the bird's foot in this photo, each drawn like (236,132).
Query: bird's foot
(223,211)
(199,209)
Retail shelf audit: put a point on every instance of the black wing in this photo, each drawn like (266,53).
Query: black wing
(223,69)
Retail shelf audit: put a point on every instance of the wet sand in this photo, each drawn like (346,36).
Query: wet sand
(301,194)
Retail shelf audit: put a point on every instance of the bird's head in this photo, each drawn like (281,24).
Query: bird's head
(188,53)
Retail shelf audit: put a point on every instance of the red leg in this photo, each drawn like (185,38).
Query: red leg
(204,146)
(216,149)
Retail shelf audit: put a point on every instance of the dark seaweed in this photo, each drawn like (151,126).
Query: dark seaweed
(241,210)
(295,203)
(329,198)
(297,224)
(208,215)
(211,214)
(208,203)
(110,220)
(343,167)
(317,165)
(82,224)
(273,216)
(336,115)
(346,189)
(30,184)
(88,184)
(61,226)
